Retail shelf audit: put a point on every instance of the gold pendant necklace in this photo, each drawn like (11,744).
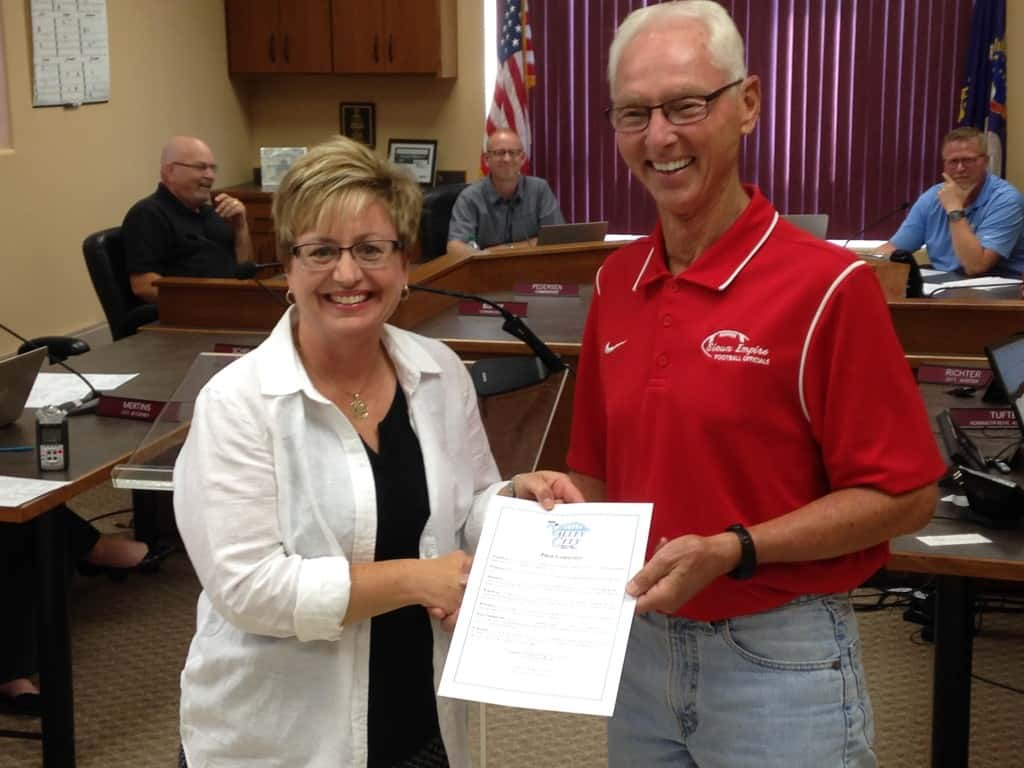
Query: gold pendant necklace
(358,406)
(356,403)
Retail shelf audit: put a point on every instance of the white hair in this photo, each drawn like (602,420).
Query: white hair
(725,46)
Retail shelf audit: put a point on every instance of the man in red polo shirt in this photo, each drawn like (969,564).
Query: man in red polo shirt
(745,377)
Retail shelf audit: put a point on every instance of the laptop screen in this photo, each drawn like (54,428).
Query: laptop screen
(815,223)
(17,375)
(562,234)
(1007,362)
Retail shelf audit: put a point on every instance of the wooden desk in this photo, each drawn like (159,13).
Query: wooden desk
(202,303)
(955,326)
(956,569)
(949,326)
(243,304)
(96,445)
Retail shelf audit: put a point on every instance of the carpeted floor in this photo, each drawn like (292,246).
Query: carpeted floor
(130,641)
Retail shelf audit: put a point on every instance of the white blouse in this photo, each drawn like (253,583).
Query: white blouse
(274,498)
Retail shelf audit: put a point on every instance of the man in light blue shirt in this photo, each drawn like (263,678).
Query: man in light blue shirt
(973,222)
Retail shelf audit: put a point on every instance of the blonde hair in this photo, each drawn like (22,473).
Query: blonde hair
(725,46)
(339,178)
(966,133)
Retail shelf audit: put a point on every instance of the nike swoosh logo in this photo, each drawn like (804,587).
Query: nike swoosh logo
(609,347)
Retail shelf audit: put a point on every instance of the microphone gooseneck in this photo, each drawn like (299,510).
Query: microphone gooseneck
(512,324)
(78,406)
(856,235)
(247,270)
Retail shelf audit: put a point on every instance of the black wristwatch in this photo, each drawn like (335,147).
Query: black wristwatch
(955,215)
(748,555)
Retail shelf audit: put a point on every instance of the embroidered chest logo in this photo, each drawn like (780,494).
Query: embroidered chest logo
(734,347)
(566,535)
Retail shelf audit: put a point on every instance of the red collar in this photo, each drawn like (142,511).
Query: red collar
(722,262)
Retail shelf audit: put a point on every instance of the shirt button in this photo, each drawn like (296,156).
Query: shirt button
(666,320)
(675,286)
(662,360)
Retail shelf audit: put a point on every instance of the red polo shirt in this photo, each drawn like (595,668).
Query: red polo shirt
(762,377)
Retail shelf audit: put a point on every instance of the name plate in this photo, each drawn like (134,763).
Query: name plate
(129,407)
(983,417)
(954,374)
(469,307)
(547,289)
(233,349)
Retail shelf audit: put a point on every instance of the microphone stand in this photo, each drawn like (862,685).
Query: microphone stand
(513,325)
(906,204)
(71,407)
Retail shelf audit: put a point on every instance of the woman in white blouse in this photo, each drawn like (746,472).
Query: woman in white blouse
(331,485)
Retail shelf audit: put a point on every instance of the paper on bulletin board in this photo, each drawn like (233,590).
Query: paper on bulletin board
(70,52)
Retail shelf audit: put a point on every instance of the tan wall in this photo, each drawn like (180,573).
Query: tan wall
(301,111)
(74,171)
(1014,95)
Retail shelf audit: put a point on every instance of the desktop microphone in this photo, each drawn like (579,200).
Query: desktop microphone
(58,348)
(901,207)
(915,283)
(247,270)
(497,375)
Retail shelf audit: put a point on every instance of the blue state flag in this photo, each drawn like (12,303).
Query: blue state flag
(983,95)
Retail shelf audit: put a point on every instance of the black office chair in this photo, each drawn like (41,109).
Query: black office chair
(104,257)
(437,212)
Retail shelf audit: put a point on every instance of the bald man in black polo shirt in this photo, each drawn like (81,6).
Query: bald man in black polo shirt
(179,229)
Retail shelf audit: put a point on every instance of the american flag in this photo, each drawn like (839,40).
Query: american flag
(510,106)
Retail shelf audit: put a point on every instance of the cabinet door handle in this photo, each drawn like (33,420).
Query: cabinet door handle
(287,59)
(391,50)
(376,49)
(272,49)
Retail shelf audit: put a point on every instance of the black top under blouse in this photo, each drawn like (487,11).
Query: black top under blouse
(402,705)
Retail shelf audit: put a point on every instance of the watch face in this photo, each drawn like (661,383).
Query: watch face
(955,215)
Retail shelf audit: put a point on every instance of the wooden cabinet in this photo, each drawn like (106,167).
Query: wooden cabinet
(410,37)
(266,36)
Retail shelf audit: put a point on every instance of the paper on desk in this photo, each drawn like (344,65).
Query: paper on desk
(15,491)
(545,618)
(979,283)
(56,388)
(954,539)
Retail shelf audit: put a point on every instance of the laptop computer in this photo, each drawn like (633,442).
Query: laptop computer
(815,223)
(562,234)
(17,375)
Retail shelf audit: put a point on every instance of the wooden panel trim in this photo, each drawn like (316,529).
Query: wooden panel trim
(971,567)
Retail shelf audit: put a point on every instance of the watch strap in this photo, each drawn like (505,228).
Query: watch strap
(748,554)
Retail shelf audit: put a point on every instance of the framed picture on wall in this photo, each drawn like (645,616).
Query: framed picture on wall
(420,155)
(359,122)
(275,162)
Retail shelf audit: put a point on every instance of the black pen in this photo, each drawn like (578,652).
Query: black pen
(15,448)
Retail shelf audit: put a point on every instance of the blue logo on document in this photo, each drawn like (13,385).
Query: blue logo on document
(566,535)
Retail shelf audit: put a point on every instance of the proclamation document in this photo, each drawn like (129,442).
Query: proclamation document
(545,619)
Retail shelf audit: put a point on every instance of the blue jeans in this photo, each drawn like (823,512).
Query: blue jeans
(781,688)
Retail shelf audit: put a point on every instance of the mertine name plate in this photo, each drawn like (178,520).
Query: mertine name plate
(129,407)
(954,374)
(547,289)
(983,417)
(469,307)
